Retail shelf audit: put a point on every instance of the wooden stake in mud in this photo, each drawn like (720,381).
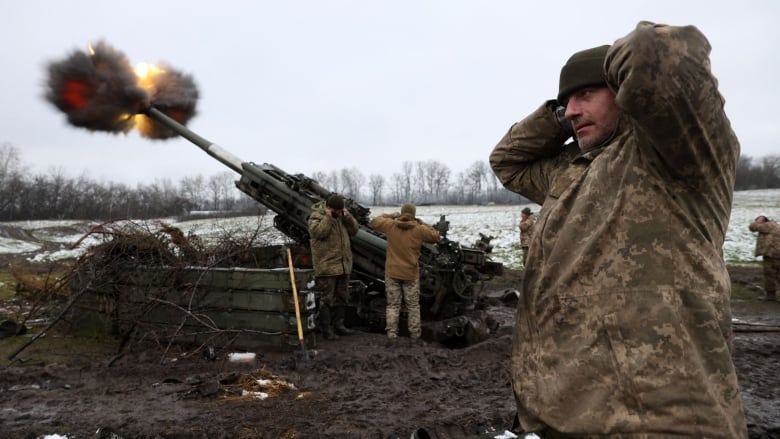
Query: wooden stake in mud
(297,306)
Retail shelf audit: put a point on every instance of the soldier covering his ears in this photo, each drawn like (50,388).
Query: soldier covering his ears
(624,326)
(330,228)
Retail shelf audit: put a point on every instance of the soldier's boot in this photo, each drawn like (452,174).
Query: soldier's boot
(338,321)
(325,323)
(770,296)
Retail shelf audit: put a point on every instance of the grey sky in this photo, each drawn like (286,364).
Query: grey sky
(322,85)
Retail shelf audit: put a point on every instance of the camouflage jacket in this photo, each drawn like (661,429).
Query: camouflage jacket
(526,230)
(331,251)
(624,327)
(405,236)
(768,239)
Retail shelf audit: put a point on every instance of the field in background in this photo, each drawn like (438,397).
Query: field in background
(52,240)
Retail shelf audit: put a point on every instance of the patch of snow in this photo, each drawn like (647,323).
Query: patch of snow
(15,246)
(256,395)
(58,255)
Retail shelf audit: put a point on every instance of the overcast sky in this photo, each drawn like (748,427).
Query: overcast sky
(323,85)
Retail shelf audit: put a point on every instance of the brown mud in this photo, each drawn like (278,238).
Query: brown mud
(354,387)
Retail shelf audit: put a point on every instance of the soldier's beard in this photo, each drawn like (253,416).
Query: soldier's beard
(600,135)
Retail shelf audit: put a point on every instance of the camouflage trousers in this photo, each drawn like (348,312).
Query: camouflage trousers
(771,273)
(397,290)
(334,290)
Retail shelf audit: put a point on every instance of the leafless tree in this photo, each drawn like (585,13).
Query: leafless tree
(770,171)
(397,187)
(328,180)
(352,180)
(406,182)
(194,189)
(322,178)
(10,161)
(376,184)
(437,179)
(475,178)
(221,189)
(744,174)
(11,178)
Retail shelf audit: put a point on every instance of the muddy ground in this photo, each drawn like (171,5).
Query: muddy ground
(351,388)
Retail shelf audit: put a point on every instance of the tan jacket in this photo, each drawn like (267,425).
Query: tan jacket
(768,239)
(405,236)
(624,327)
(331,251)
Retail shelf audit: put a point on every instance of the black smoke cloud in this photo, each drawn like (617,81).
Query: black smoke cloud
(99,91)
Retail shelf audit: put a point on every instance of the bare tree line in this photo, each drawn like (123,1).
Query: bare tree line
(24,196)
(425,182)
(52,195)
(760,173)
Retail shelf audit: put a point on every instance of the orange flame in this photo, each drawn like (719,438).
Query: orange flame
(146,74)
(75,93)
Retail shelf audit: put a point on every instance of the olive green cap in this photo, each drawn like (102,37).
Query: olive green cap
(335,202)
(584,68)
(408,209)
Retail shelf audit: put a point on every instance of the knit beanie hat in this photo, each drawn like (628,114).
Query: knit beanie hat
(408,209)
(584,68)
(335,202)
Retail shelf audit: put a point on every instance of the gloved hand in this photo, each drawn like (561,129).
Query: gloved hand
(559,111)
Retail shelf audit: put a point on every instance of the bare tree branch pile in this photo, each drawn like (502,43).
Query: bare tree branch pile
(162,285)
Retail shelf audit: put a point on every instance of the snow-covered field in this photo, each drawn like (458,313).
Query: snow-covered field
(466,223)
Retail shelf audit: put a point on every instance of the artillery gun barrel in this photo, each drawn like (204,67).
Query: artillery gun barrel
(289,196)
(212,149)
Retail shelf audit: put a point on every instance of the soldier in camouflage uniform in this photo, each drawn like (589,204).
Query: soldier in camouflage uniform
(768,246)
(527,221)
(405,236)
(330,227)
(624,326)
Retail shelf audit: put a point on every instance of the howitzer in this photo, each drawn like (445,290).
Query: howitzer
(449,272)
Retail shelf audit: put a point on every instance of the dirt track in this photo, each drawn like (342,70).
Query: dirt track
(352,388)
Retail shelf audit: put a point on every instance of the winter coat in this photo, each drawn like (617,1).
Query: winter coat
(526,230)
(624,326)
(331,251)
(405,236)
(768,239)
